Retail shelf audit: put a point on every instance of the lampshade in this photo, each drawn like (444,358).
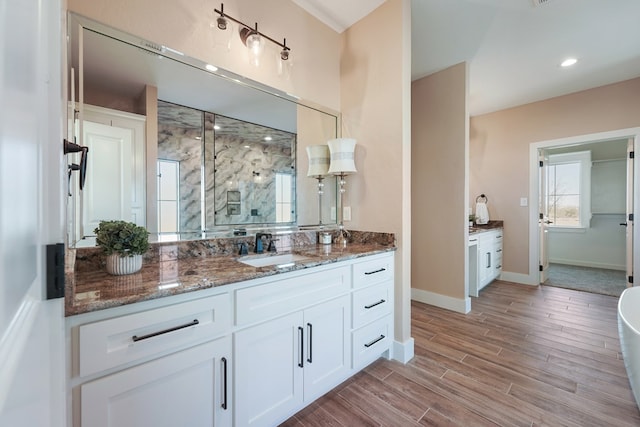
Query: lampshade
(342,156)
(318,160)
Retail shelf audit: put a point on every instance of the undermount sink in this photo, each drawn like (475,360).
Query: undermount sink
(284,260)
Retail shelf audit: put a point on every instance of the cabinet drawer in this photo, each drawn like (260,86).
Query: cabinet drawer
(262,302)
(369,342)
(109,343)
(373,271)
(371,303)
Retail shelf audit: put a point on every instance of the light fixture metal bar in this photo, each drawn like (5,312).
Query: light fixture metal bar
(253,30)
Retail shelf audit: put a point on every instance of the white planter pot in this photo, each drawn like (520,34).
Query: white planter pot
(118,265)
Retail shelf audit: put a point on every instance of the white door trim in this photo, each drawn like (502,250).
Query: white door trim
(534,247)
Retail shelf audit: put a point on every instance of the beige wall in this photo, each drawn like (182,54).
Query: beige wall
(499,151)
(185,25)
(375,72)
(439,182)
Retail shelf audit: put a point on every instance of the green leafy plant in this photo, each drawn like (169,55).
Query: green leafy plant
(122,237)
(472,217)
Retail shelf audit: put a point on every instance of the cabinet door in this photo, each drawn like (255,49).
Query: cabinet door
(184,389)
(326,353)
(268,371)
(485,261)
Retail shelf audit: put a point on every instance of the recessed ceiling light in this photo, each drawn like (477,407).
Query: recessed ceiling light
(267,138)
(216,127)
(568,62)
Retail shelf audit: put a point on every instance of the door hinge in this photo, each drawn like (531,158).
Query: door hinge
(541,216)
(540,268)
(632,154)
(55,271)
(630,279)
(541,163)
(630,217)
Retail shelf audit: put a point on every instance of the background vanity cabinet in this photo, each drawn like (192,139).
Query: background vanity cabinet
(166,366)
(489,263)
(285,362)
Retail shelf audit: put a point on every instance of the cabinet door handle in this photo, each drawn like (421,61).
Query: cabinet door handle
(223,361)
(499,250)
(310,341)
(301,347)
(380,338)
(498,266)
(488,259)
(374,304)
(136,338)
(375,271)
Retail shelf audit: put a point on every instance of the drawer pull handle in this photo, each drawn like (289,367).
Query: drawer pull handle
(224,383)
(375,271)
(374,304)
(301,355)
(136,338)
(499,250)
(380,338)
(310,341)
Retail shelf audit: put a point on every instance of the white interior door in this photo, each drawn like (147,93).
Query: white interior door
(32,364)
(629,212)
(543,219)
(107,193)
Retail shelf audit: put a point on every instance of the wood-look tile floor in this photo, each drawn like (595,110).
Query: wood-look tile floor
(523,356)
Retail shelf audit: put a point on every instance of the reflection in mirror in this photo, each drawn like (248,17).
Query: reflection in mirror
(123,73)
(254,174)
(215,170)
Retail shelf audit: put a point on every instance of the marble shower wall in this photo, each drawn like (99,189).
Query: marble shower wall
(234,163)
(181,141)
(245,172)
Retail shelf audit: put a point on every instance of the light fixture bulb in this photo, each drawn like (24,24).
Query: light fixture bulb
(284,54)
(254,43)
(222,23)
(568,62)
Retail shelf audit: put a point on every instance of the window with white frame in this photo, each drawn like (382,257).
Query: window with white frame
(284,199)
(568,190)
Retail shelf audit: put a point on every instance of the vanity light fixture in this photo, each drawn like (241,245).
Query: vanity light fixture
(318,169)
(342,164)
(251,37)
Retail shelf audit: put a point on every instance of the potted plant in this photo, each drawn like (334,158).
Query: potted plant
(124,243)
(472,218)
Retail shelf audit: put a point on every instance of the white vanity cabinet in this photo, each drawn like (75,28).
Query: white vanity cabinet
(165,366)
(283,363)
(372,308)
(187,388)
(250,353)
(488,262)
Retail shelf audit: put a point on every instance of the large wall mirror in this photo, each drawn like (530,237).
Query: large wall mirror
(183,148)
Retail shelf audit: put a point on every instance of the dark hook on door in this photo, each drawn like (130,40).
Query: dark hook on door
(72,147)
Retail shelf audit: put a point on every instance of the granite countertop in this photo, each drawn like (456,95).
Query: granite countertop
(171,272)
(492,225)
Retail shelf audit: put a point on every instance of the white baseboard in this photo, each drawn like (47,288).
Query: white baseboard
(403,352)
(588,264)
(523,279)
(460,305)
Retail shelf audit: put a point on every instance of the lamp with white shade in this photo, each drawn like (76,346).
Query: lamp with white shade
(318,169)
(342,151)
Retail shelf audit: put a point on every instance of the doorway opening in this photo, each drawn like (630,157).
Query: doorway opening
(581,232)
